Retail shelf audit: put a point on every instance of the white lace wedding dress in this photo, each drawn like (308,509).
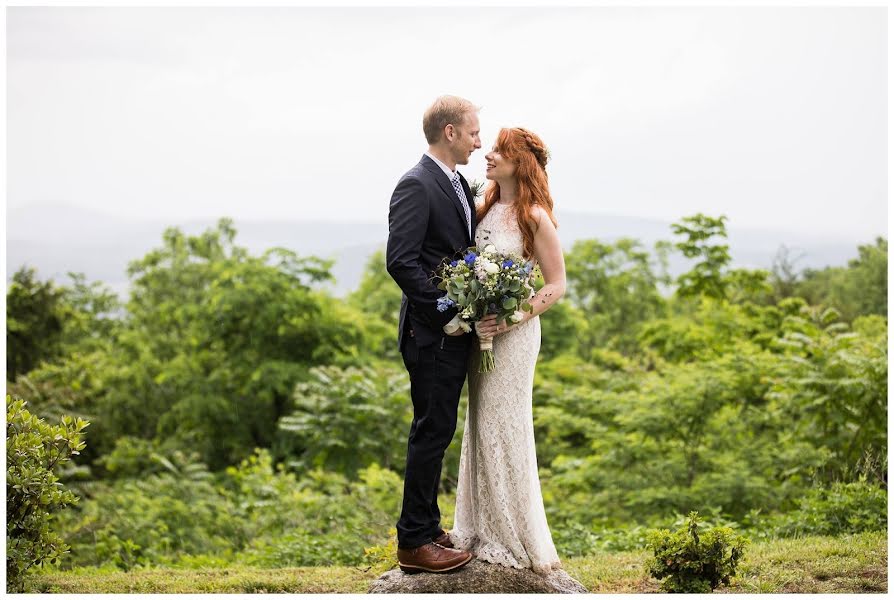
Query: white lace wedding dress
(499,506)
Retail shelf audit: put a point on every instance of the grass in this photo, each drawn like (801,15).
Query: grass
(847,564)
(235,580)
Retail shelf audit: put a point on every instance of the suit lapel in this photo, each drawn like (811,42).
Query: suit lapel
(448,190)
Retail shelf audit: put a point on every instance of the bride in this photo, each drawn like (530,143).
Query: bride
(499,506)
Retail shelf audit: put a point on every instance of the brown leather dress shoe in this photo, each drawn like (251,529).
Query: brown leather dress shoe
(444,540)
(431,558)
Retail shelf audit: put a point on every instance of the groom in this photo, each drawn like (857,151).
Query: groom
(431,217)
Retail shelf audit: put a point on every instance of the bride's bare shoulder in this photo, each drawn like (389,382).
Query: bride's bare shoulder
(538,217)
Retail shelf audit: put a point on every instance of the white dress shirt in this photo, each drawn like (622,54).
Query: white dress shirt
(444,167)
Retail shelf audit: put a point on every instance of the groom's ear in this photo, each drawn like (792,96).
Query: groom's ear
(449,132)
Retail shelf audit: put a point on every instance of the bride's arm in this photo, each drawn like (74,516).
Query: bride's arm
(548,254)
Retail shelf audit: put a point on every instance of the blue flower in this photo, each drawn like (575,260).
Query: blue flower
(453,263)
(529,266)
(444,303)
(507,263)
(470,258)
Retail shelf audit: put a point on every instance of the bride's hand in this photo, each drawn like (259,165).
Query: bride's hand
(488,326)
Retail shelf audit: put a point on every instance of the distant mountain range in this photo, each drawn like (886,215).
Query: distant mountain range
(57,239)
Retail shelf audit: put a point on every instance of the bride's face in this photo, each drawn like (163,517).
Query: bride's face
(498,168)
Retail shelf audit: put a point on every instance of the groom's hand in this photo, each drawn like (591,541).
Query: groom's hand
(453,328)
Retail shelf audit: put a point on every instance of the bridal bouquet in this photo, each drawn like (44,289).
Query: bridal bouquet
(484,282)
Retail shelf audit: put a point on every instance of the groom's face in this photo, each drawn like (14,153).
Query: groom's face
(465,139)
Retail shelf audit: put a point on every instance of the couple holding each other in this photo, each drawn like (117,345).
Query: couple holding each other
(499,506)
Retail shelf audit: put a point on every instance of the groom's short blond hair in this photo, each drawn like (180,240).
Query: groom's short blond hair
(446,110)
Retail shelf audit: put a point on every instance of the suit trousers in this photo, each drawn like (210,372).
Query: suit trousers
(437,374)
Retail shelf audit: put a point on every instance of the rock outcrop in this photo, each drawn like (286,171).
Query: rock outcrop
(477,577)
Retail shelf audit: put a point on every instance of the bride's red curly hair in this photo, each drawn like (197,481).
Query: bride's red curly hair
(530,156)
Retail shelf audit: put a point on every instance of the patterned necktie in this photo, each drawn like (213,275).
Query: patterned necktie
(458,188)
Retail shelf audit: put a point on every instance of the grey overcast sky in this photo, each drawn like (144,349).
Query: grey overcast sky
(776,117)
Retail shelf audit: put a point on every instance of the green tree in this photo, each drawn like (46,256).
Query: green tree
(861,288)
(378,294)
(870,272)
(94,316)
(378,297)
(35,316)
(711,276)
(712,328)
(615,288)
(564,330)
(216,340)
(46,322)
(69,381)
(784,276)
(706,277)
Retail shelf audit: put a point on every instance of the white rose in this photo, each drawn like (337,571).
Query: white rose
(492,268)
(517,316)
(490,249)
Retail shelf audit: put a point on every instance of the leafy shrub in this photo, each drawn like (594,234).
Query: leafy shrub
(151,521)
(132,457)
(840,509)
(575,539)
(255,514)
(33,450)
(368,402)
(382,557)
(620,540)
(834,388)
(690,562)
(320,519)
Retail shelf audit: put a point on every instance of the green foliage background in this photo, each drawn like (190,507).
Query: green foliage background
(241,415)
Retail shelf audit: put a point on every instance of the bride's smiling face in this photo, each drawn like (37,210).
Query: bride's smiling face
(498,168)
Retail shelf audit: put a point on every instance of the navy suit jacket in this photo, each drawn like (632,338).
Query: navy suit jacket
(426,224)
